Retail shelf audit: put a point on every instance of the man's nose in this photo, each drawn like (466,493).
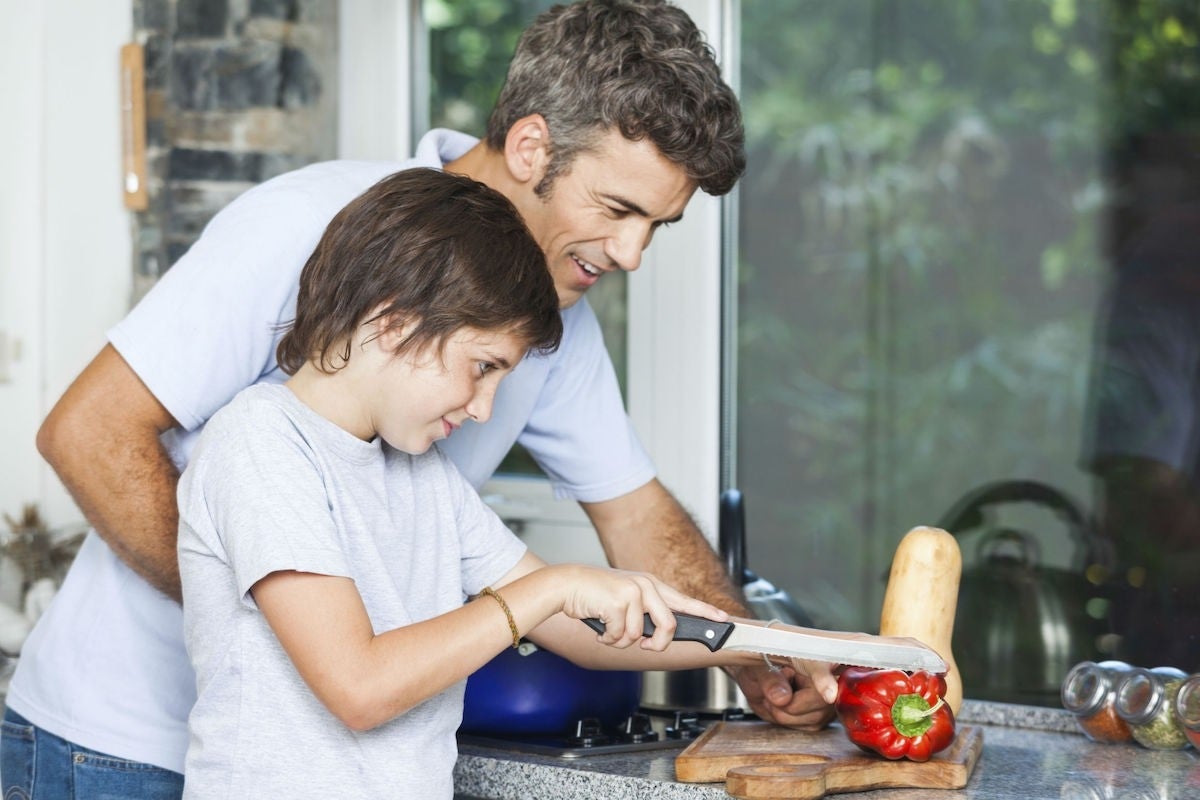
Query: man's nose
(625,247)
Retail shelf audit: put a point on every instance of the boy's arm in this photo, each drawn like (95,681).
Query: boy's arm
(649,531)
(366,679)
(101,438)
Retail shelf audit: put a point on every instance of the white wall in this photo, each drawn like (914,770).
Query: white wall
(65,272)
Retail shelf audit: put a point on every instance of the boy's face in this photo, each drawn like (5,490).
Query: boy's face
(601,214)
(423,396)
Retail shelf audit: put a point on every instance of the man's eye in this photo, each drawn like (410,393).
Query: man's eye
(485,367)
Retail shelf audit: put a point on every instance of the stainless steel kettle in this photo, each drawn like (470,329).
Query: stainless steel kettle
(1021,624)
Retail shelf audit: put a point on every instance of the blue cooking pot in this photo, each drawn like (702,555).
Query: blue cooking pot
(531,691)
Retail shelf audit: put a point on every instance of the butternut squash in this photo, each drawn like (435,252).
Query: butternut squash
(922,596)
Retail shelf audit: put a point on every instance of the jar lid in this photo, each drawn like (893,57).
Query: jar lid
(1085,688)
(1139,696)
(1187,703)
(1169,673)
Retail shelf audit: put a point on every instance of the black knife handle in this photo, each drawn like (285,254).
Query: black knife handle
(688,628)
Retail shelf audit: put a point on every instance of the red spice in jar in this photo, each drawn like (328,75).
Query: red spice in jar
(1089,692)
(1105,726)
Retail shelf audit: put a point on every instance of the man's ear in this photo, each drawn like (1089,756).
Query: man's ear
(527,149)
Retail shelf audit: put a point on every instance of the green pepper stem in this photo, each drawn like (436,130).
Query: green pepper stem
(933,709)
(911,714)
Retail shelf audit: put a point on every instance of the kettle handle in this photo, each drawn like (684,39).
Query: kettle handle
(967,513)
(731,535)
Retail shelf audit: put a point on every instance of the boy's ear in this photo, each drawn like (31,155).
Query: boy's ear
(389,330)
(527,149)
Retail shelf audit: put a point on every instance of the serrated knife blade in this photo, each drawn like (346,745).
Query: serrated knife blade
(789,641)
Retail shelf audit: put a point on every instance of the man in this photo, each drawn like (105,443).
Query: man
(612,115)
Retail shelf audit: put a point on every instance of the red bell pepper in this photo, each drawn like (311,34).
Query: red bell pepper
(895,714)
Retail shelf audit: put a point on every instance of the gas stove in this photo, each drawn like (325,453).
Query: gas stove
(646,729)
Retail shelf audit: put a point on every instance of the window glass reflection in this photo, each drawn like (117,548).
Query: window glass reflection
(966,290)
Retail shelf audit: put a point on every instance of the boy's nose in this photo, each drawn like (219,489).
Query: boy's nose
(479,408)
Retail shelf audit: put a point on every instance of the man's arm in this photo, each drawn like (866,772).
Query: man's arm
(648,530)
(101,438)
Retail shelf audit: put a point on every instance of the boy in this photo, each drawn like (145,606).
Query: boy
(326,549)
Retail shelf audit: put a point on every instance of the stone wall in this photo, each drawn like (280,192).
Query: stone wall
(237,91)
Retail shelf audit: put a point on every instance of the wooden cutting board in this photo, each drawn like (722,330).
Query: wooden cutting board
(761,760)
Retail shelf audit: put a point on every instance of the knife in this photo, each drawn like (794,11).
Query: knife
(789,641)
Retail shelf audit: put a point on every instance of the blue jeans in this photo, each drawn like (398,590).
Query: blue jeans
(36,765)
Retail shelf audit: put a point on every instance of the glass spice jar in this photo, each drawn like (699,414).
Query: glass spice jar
(1146,700)
(1187,709)
(1089,692)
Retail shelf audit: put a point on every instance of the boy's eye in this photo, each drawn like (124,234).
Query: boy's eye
(485,367)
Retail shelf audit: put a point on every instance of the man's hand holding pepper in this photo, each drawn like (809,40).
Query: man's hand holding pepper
(799,696)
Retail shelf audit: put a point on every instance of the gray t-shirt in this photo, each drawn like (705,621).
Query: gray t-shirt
(274,486)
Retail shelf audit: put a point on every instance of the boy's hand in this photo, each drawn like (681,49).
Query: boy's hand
(619,599)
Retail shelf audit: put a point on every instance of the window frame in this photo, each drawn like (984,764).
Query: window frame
(674,380)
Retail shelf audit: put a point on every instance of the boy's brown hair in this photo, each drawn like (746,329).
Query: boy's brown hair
(440,249)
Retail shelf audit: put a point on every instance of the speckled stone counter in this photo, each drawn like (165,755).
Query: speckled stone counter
(1027,753)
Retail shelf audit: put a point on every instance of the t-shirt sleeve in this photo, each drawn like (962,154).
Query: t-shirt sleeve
(208,328)
(579,432)
(254,489)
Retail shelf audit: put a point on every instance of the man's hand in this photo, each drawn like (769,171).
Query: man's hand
(785,697)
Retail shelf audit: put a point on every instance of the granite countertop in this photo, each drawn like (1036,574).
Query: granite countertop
(1028,752)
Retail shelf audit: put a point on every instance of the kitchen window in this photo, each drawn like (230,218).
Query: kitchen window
(966,297)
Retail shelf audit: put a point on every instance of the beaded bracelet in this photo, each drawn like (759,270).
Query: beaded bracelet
(512,624)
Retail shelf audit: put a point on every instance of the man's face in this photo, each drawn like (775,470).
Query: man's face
(600,215)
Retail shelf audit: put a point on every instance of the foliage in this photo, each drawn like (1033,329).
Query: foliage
(922,238)
(470,45)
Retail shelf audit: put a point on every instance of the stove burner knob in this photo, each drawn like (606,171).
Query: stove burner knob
(733,713)
(687,726)
(637,729)
(588,733)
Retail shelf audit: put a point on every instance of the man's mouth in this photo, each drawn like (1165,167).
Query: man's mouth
(594,271)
